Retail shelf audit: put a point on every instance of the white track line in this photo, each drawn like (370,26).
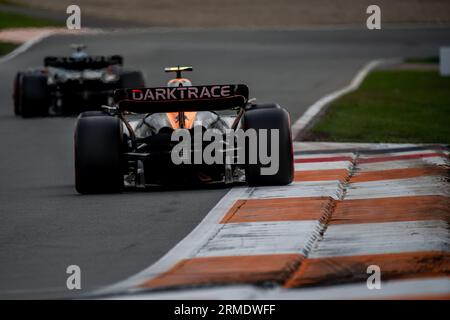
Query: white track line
(25,46)
(45,34)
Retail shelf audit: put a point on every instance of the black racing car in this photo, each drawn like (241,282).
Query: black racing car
(154,136)
(70,85)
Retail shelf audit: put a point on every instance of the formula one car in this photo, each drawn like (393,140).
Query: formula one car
(136,141)
(68,85)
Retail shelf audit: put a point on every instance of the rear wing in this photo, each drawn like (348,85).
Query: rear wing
(91,62)
(175,99)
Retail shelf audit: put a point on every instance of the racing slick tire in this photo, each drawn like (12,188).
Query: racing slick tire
(92,114)
(271,118)
(98,155)
(32,95)
(132,79)
(263,106)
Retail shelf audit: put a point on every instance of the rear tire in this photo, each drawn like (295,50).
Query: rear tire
(32,96)
(263,106)
(92,114)
(98,155)
(271,118)
(132,79)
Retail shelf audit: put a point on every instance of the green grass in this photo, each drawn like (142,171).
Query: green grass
(15,20)
(6,47)
(430,60)
(10,2)
(390,106)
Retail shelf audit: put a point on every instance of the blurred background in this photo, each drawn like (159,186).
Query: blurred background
(232,13)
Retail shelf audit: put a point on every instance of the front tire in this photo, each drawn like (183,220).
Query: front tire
(271,118)
(98,155)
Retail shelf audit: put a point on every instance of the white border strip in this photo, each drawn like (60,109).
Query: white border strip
(305,120)
(25,46)
(45,34)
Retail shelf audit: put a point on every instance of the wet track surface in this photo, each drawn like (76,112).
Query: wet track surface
(46,226)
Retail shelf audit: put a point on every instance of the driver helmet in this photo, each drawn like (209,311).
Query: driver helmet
(179,82)
(79,53)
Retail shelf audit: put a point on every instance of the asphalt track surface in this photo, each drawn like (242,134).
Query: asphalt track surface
(46,226)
